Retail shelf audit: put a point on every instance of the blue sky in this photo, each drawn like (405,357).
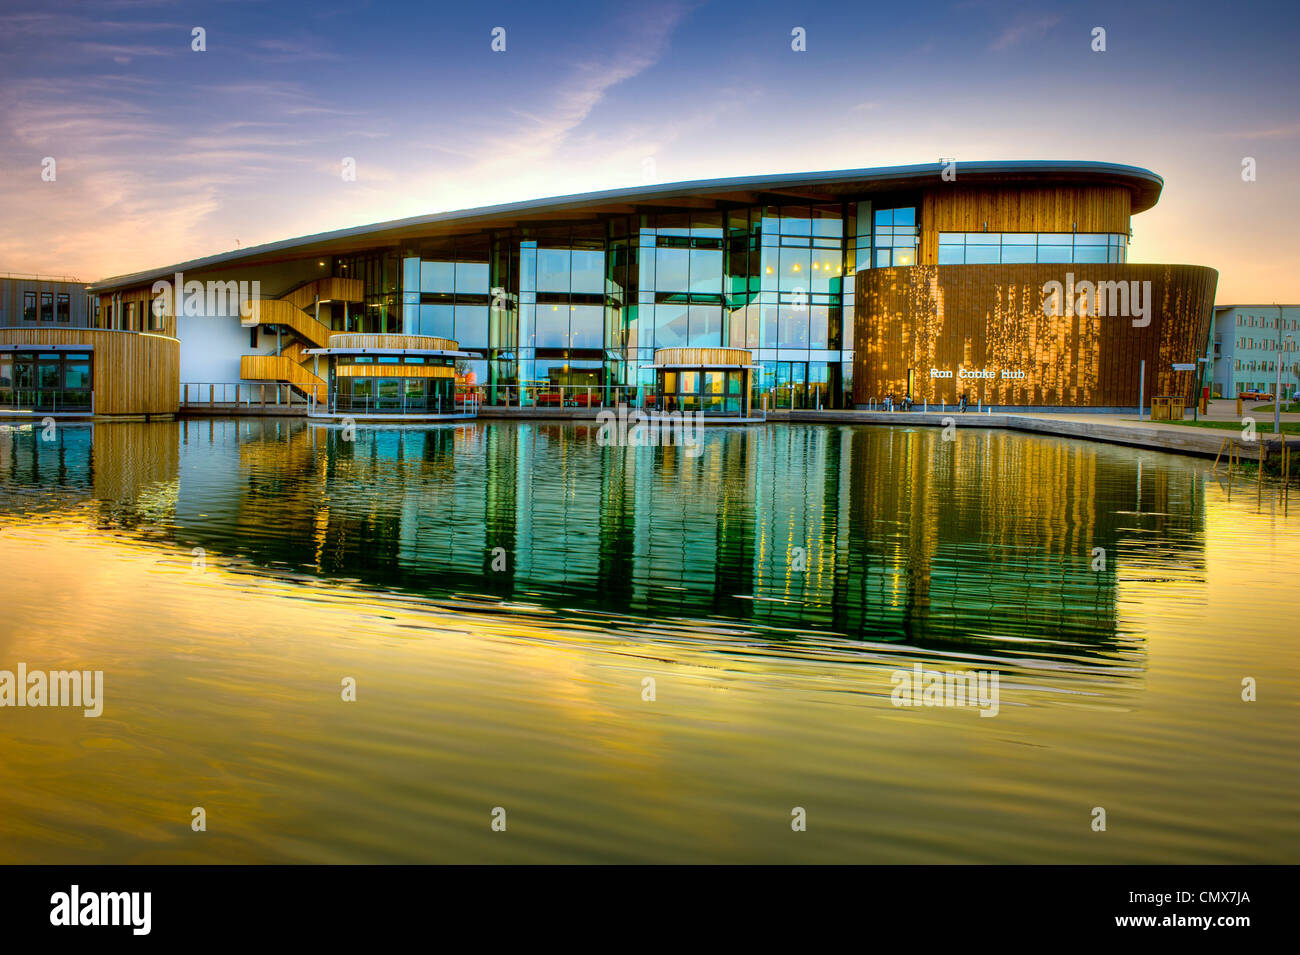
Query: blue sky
(164,153)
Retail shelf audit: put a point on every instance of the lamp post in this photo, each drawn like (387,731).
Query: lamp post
(1277,363)
(1201,363)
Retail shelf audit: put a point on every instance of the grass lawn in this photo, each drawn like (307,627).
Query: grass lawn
(1261,426)
(1293,408)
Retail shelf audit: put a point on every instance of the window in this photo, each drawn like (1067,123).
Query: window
(63,309)
(895,237)
(47,306)
(50,381)
(438,277)
(29,306)
(1007,248)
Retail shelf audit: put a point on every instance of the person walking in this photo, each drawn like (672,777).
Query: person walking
(963,402)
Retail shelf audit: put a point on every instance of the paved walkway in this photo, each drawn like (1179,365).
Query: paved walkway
(1111,428)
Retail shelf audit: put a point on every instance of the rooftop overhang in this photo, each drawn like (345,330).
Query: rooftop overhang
(810,187)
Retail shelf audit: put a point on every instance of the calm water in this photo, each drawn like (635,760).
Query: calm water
(500,591)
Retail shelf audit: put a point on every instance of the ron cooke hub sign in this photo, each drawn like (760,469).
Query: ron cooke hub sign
(1005,374)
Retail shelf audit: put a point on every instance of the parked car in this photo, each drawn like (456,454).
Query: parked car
(1256,395)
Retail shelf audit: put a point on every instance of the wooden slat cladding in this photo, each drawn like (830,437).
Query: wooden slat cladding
(327,290)
(274,311)
(394,371)
(1047,209)
(360,342)
(133,372)
(143,320)
(737,357)
(280,368)
(991,317)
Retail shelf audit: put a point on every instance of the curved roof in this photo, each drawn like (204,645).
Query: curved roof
(811,187)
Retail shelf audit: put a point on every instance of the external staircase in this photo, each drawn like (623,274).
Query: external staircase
(296,312)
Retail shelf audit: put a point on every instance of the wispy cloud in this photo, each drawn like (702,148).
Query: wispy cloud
(292,51)
(1024,28)
(1284,131)
(124,52)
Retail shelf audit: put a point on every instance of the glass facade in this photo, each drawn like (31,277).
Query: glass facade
(45,381)
(713,391)
(379,384)
(585,305)
(1010,248)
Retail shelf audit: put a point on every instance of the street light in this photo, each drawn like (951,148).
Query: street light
(1277,392)
(1201,363)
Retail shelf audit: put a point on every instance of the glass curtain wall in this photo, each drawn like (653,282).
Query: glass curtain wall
(379,313)
(586,305)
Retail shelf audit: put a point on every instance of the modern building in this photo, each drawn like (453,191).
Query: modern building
(832,289)
(57,358)
(1247,345)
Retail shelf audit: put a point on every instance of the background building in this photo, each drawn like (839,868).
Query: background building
(1247,345)
(56,301)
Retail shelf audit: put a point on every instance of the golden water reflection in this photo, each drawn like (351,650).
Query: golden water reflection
(523,688)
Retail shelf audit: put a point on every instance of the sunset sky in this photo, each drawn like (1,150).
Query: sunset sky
(164,154)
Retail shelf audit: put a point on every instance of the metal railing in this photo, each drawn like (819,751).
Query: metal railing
(35,277)
(563,396)
(228,395)
(597,397)
(467,403)
(53,400)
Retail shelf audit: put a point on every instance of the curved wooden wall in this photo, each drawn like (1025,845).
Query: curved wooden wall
(394,371)
(134,372)
(686,357)
(991,317)
(1008,209)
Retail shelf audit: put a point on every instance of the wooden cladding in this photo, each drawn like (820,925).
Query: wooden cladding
(699,357)
(139,317)
(1009,209)
(274,311)
(983,331)
(377,370)
(131,372)
(360,342)
(281,368)
(326,290)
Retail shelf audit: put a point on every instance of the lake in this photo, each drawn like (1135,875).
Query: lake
(628,654)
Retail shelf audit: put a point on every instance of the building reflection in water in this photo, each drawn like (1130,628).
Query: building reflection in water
(877,534)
